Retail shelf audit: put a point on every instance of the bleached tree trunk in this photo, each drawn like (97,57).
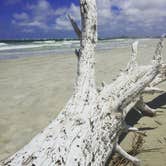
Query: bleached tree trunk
(87,130)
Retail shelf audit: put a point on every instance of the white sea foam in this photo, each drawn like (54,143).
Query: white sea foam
(62,45)
(38,44)
(3,44)
(49,41)
(16,47)
(28,46)
(46,42)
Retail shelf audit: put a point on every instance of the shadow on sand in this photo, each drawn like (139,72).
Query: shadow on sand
(134,116)
(158,101)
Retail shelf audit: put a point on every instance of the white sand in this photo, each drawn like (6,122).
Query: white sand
(33,91)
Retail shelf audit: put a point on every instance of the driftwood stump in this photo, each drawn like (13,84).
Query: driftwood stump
(87,130)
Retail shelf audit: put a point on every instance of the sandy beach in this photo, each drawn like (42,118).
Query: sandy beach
(34,90)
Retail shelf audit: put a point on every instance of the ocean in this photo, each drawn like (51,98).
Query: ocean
(18,49)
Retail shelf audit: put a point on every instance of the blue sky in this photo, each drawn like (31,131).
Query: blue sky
(47,18)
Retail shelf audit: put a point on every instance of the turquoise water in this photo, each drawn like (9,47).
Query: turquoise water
(18,49)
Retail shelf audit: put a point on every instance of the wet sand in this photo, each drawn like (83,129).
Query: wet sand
(35,89)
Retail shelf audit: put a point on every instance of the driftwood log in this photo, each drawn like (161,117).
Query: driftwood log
(87,130)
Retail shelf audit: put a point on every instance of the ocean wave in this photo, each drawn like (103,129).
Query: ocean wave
(15,47)
(45,42)
(39,44)
(62,45)
(3,44)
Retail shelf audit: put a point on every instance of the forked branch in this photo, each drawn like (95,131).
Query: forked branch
(75,27)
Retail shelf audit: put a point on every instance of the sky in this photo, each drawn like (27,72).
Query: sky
(32,19)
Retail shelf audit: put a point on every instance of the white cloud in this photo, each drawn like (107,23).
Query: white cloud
(104,12)
(42,16)
(132,16)
(38,16)
(60,11)
(115,17)
(143,10)
(62,22)
(21,16)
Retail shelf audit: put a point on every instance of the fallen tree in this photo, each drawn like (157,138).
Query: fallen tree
(87,130)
